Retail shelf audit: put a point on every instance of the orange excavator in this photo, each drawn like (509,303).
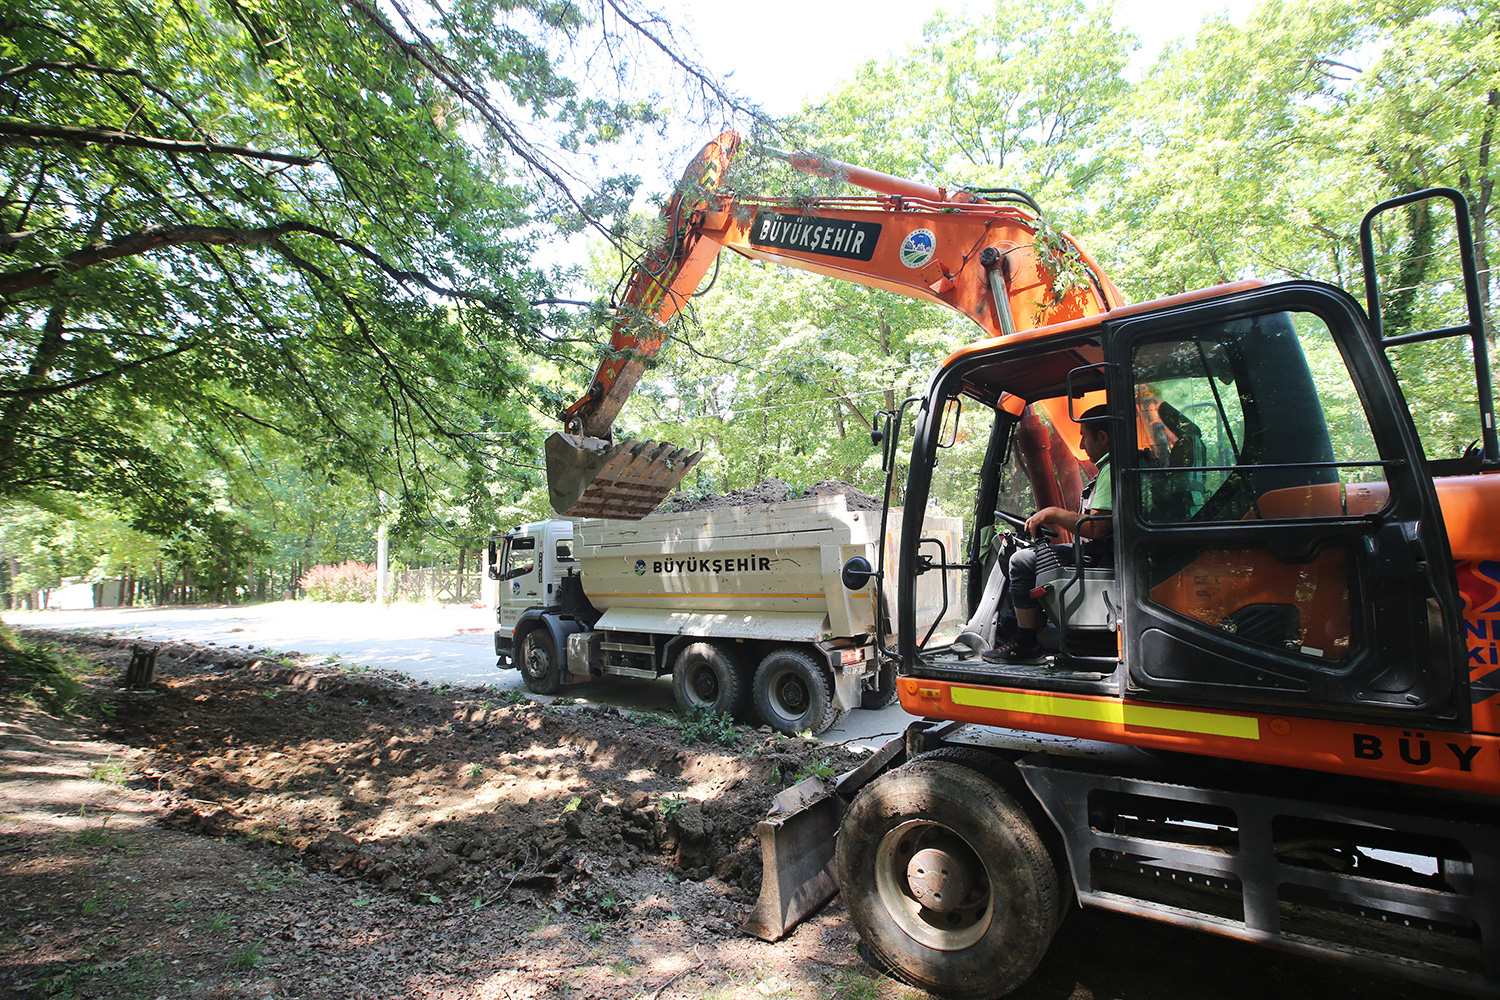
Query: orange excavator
(1268,700)
(973,251)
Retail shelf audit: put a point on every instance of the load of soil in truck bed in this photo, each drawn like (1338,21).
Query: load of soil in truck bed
(767,491)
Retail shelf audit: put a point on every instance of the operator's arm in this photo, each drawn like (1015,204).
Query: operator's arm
(1067,520)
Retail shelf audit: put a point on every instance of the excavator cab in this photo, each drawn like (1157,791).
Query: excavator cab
(1277,542)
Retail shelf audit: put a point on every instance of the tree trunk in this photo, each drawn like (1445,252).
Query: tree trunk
(14,598)
(1479,211)
(885,352)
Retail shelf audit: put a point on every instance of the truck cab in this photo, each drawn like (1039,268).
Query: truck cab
(530,563)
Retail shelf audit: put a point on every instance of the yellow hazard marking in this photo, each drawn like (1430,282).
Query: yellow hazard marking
(707,593)
(1115,712)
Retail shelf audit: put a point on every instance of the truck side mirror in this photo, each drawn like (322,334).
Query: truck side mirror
(493,568)
(856,573)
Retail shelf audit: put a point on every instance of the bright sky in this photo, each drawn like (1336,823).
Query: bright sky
(780,51)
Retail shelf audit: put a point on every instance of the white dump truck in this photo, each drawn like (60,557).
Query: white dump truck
(742,606)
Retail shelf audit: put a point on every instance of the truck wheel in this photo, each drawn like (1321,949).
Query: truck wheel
(793,693)
(541,670)
(706,678)
(884,691)
(947,880)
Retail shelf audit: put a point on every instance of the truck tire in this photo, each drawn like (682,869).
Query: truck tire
(884,691)
(793,693)
(706,678)
(541,670)
(947,880)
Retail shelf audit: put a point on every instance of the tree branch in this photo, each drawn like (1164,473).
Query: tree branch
(52,389)
(33,131)
(134,244)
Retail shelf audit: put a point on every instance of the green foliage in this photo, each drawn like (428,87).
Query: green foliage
(35,674)
(703,725)
(230,352)
(262,259)
(670,805)
(819,768)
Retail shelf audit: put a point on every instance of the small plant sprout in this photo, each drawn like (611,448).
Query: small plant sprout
(819,768)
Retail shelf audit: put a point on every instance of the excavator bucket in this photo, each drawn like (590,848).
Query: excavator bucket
(591,477)
(796,845)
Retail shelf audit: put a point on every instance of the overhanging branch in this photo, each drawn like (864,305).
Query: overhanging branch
(41,131)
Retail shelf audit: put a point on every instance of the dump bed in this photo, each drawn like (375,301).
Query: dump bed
(763,571)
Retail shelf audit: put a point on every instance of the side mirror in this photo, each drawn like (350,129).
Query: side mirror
(857,572)
(493,567)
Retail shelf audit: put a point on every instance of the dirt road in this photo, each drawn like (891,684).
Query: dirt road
(252,829)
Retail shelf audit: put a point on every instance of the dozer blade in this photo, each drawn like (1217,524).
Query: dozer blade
(589,477)
(796,845)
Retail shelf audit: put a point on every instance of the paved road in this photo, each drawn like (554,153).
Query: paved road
(430,642)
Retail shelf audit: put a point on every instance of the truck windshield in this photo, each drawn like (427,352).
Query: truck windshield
(520,556)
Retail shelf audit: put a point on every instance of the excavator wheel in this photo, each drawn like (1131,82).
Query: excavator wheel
(947,880)
(794,693)
(706,678)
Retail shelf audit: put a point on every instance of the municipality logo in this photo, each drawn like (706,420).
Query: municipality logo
(640,567)
(918,247)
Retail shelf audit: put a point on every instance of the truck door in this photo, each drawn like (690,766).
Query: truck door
(520,578)
(1280,542)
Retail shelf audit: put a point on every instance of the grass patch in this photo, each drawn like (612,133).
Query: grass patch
(248,957)
(35,674)
(851,984)
(134,978)
(97,836)
(111,772)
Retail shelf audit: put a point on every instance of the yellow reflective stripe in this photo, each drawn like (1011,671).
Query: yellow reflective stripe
(706,593)
(1116,712)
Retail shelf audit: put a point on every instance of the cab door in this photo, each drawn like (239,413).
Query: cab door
(1280,544)
(520,577)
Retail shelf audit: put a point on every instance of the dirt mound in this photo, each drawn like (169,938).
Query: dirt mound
(768,491)
(434,792)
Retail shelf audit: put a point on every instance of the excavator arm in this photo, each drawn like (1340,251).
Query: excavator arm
(976,253)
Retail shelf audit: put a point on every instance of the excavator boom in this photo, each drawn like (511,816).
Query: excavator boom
(954,248)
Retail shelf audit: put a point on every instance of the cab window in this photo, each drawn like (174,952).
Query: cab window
(520,556)
(1257,418)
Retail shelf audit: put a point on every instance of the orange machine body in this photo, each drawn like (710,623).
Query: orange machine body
(1463,761)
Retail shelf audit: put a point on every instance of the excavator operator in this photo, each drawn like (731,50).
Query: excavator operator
(1098,498)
